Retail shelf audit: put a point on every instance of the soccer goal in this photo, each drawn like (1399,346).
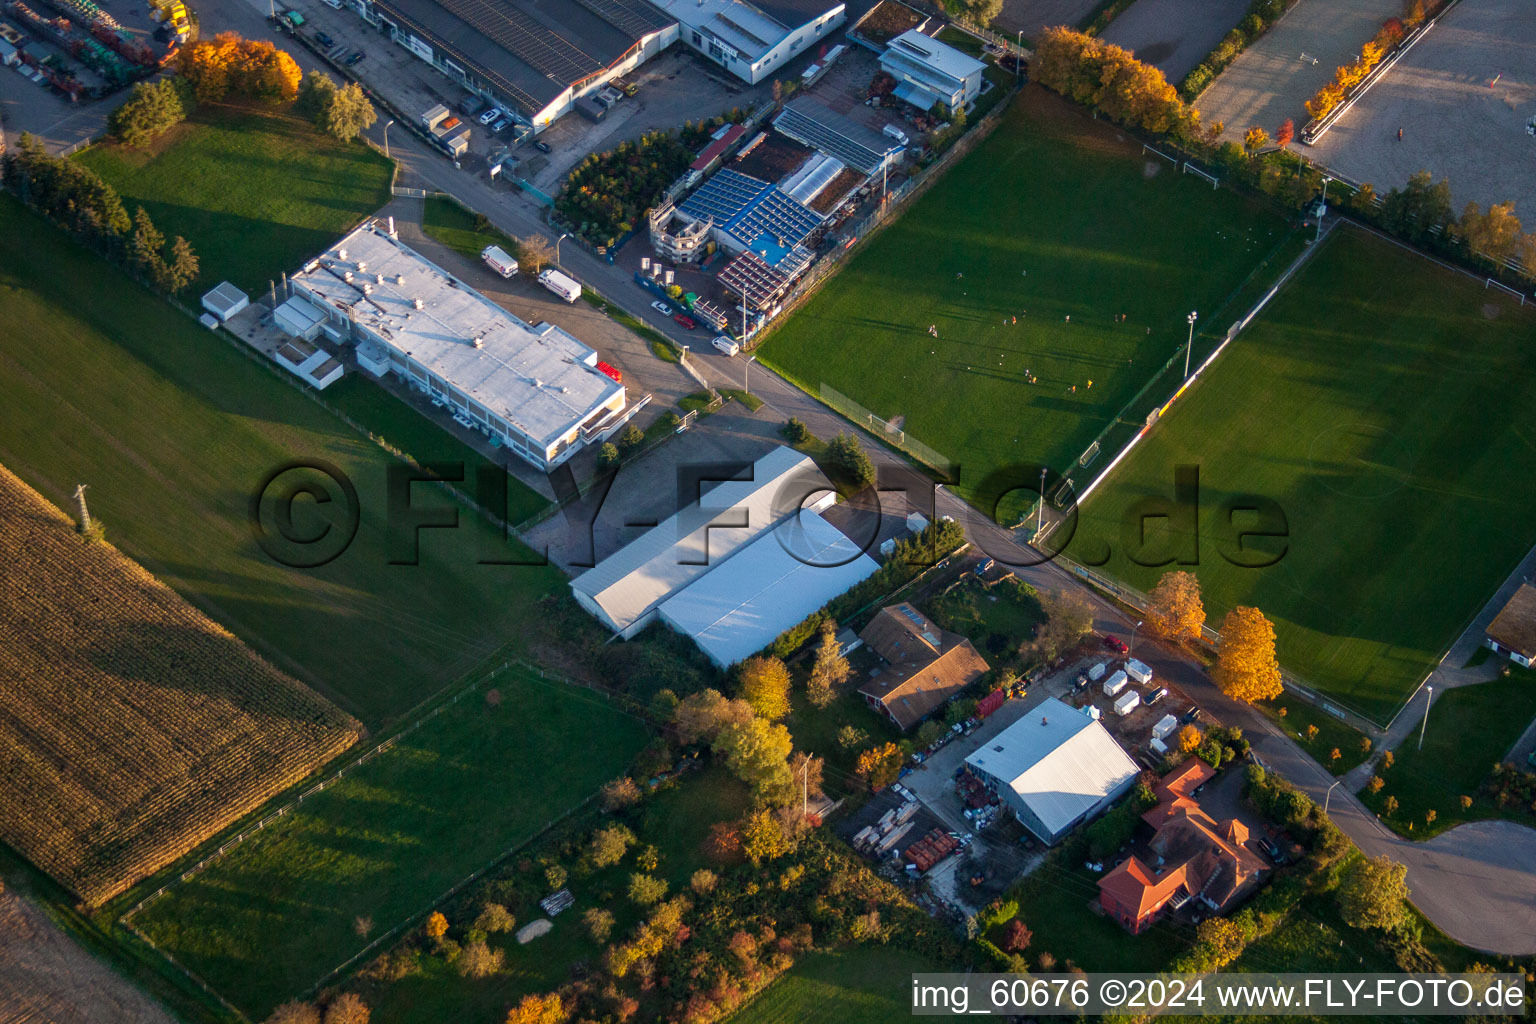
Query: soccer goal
(1158,152)
(1491,283)
(1190,168)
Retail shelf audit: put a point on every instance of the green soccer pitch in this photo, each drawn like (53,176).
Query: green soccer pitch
(1054,216)
(1387,405)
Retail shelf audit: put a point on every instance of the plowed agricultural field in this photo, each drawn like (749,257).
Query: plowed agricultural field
(132,727)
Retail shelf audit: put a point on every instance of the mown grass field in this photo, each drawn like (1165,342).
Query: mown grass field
(1055,215)
(279,912)
(256,191)
(134,726)
(174,430)
(862,985)
(1470,729)
(1385,404)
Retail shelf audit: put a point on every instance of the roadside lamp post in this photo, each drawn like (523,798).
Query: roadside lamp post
(386,137)
(1329,795)
(746,375)
(1132,649)
(1040,514)
(1190,347)
(562,238)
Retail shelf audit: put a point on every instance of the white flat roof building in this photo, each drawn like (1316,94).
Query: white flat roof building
(770,584)
(753,38)
(625,590)
(532,387)
(1054,768)
(932,71)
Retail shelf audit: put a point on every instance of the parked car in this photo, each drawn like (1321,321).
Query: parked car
(1114,643)
(662,308)
(1157,695)
(334,5)
(490,116)
(1269,849)
(541,145)
(359,55)
(324,40)
(1189,717)
(501,126)
(685,320)
(726,345)
(630,88)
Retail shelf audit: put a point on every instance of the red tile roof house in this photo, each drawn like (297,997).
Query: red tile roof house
(1197,858)
(926,665)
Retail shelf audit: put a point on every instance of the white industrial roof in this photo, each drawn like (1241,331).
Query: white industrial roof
(538,378)
(767,586)
(941,57)
(224,299)
(662,561)
(1058,760)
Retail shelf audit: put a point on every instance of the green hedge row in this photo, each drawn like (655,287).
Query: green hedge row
(1262,14)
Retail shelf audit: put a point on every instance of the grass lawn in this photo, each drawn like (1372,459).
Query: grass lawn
(863,985)
(1470,728)
(1055,901)
(995,620)
(256,191)
(277,913)
(455,226)
(1331,733)
(174,430)
(1358,403)
(1055,215)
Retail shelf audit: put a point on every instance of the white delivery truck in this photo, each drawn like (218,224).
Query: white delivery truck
(561,285)
(1139,671)
(497,259)
(1129,701)
(1116,683)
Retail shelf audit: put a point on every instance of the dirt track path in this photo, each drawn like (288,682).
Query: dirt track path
(46,978)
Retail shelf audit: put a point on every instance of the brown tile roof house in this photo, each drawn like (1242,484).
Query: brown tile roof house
(926,665)
(1512,632)
(1197,858)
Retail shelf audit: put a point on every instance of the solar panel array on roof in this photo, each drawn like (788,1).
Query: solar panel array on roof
(816,126)
(635,17)
(724,196)
(776,215)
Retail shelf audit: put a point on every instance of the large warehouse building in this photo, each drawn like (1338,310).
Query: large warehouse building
(531,387)
(752,39)
(734,569)
(534,59)
(1054,768)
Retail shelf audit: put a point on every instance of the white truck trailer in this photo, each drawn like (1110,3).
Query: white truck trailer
(497,259)
(563,286)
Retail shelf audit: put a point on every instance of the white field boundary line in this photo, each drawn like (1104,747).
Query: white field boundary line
(1381,70)
(1209,361)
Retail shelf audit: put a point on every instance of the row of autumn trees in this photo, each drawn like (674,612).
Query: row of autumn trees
(1247,668)
(1111,80)
(76,199)
(1347,76)
(230,67)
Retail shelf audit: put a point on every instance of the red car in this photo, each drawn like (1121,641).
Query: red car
(685,320)
(1114,643)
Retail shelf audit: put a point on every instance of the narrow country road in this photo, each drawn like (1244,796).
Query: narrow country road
(1476,882)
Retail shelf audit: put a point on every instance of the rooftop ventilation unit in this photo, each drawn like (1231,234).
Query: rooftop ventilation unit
(341,254)
(417,303)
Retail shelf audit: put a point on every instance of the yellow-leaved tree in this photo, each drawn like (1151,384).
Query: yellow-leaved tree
(1246,667)
(1175,610)
(765,686)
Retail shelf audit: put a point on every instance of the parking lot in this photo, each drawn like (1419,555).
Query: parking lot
(674,87)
